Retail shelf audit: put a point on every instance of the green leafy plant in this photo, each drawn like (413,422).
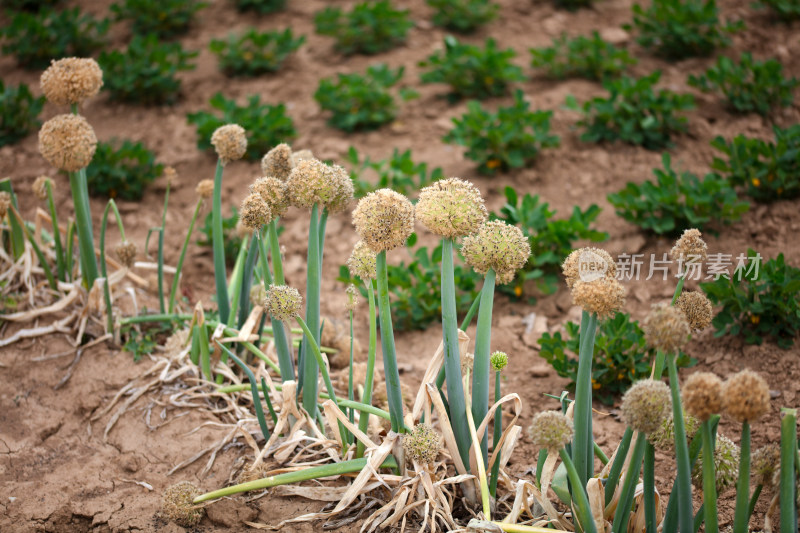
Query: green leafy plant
(415,287)
(253,52)
(551,239)
(634,113)
(767,170)
(370,28)
(36,38)
(164,18)
(472,71)
(233,242)
(399,173)
(122,170)
(463,16)
(360,102)
(512,137)
(748,86)
(760,300)
(19,112)
(145,72)
(582,57)
(262,7)
(621,356)
(785,10)
(678,201)
(573,5)
(143,341)
(266,125)
(677,29)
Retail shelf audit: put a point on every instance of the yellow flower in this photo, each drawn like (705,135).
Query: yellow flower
(756,182)
(595,385)
(493,163)
(755,319)
(518,291)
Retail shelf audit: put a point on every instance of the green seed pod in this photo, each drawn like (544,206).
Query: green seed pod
(551,430)
(696,308)
(278,163)
(666,328)
(177,506)
(646,405)
(273,192)
(254,212)
(603,297)
(745,396)
(384,219)
(71,80)
(451,208)
(726,464)
(664,437)
(498,361)
(690,247)
(361,262)
(283,302)
(257,294)
(497,246)
(67,142)
(230,142)
(423,444)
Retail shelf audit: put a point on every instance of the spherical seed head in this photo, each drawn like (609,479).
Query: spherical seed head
(726,464)
(205,189)
(745,396)
(690,247)
(361,262)
(646,405)
(451,208)
(40,187)
(273,192)
(257,294)
(344,188)
(301,155)
(67,142)
(551,430)
(666,328)
(176,504)
(702,395)
(588,264)
(696,308)
(278,163)
(309,183)
(254,212)
(384,219)
(423,444)
(499,246)
(352,297)
(664,437)
(126,253)
(5,203)
(283,302)
(498,361)
(766,462)
(603,297)
(230,142)
(170,175)
(71,80)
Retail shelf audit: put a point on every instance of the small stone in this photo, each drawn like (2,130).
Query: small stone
(540,371)
(615,36)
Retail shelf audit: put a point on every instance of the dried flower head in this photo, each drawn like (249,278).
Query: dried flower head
(423,444)
(257,294)
(467,363)
(646,405)
(344,188)
(177,506)
(497,246)
(302,155)
(230,142)
(498,361)
(384,219)
(726,464)
(766,462)
(451,208)
(352,297)
(309,183)
(5,203)
(273,192)
(67,142)
(603,297)
(551,430)
(588,264)
(205,189)
(745,396)
(126,253)
(665,328)
(40,187)
(255,212)
(277,163)
(664,437)
(170,175)
(283,302)
(702,395)
(361,262)
(690,247)
(71,80)
(696,308)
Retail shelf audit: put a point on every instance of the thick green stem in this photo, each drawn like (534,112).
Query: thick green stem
(110,206)
(481,366)
(83,223)
(218,245)
(161,299)
(51,280)
(582,449)
(17,234)
(619,462)
(51,205)
(678,289)
(649,486)
(452,357)
(247,279)
(787,473)
(205,355)
(579,498)
(275,251)
(363,421)
(350,395)
(710,480)
(179,267)
(262,422)
(629,485)
(498,431)
(310,369)
(464,325)
(71,230)
(392,375)
(683,481)
(282,348)
(236,280)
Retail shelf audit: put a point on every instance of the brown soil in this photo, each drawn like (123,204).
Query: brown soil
(57,472)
